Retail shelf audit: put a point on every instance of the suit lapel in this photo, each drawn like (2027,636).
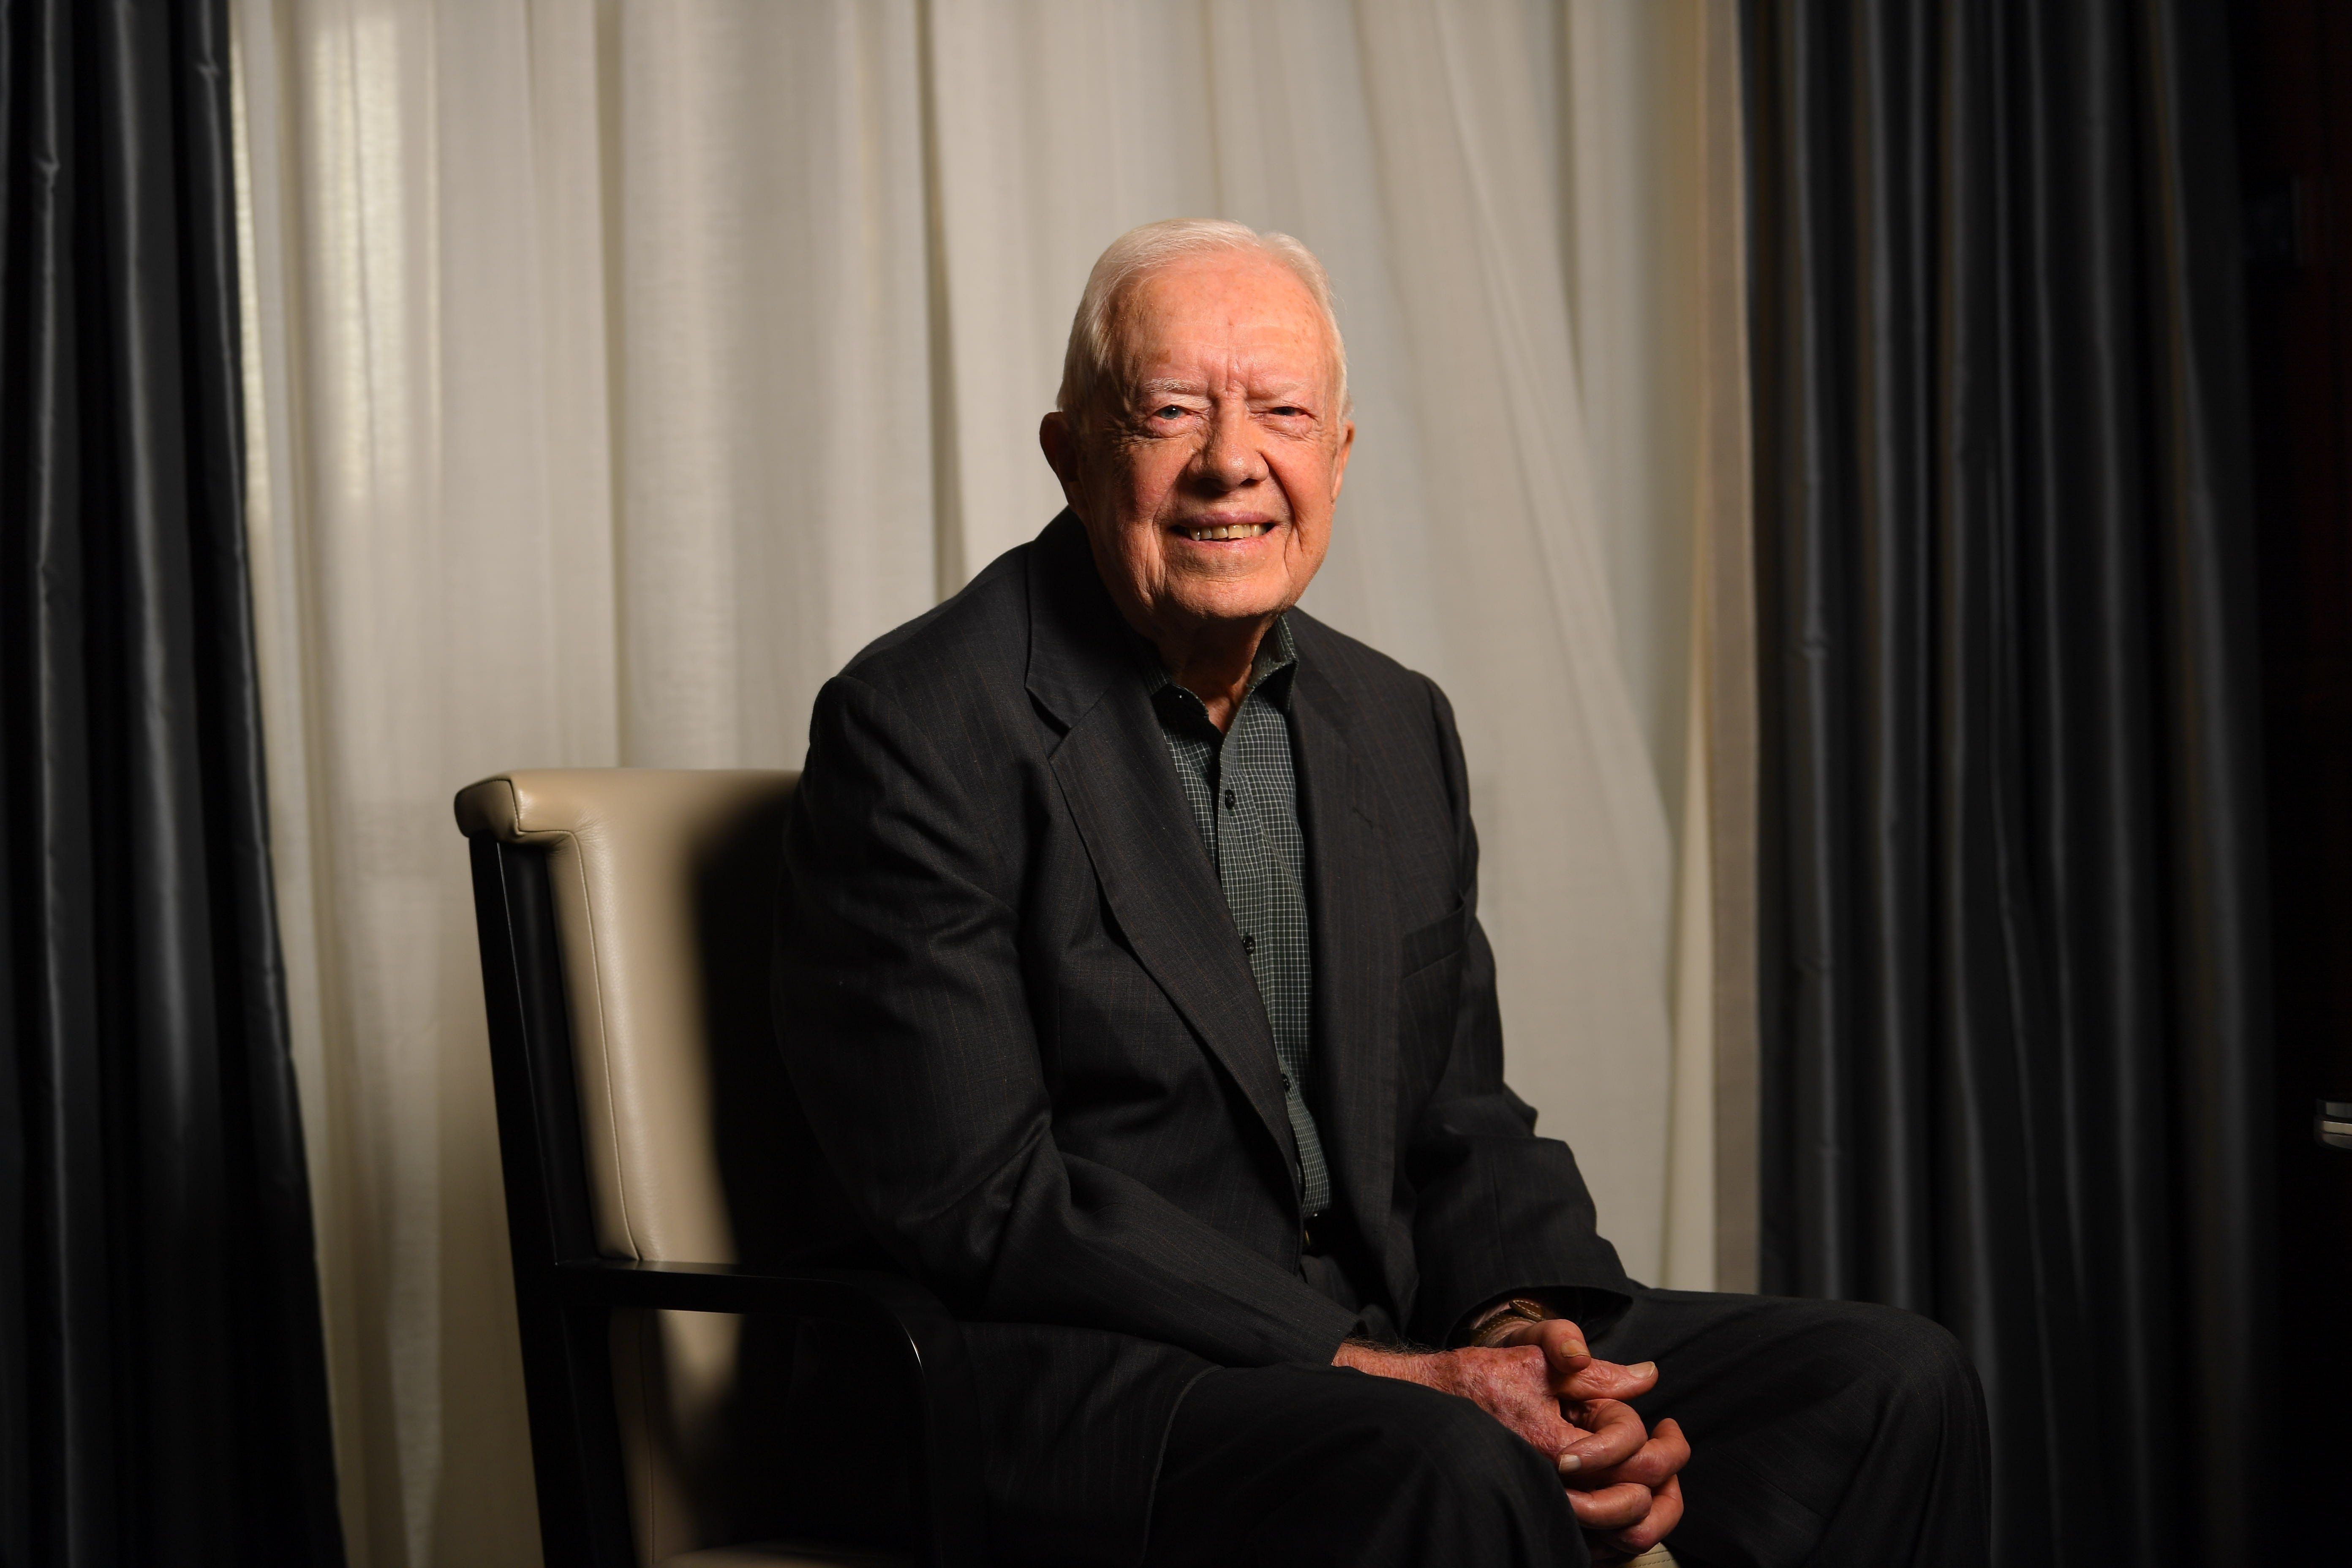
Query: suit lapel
(1113,768)
(1355,942)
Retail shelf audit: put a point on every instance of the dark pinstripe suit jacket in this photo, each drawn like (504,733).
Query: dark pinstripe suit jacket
(1024,1031)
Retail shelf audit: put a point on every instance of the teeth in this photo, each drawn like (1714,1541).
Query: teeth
(1231,530)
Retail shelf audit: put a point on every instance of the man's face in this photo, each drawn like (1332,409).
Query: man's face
(1207,473)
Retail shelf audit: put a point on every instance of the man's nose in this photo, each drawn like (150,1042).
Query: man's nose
(1231,459)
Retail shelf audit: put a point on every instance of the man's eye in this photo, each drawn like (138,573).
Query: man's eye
(1287,410)
(1168,412)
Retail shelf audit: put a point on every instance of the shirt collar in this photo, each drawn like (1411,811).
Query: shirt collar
(1271,670)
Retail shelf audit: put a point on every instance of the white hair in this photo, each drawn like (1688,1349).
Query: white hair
(1086,363)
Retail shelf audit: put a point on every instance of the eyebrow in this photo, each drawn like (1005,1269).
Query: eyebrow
(1199,389)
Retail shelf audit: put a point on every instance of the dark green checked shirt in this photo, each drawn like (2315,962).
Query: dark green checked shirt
(1245,798)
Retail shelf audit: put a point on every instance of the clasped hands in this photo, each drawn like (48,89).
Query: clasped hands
(1542,1382)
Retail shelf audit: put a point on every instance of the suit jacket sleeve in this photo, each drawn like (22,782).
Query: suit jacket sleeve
(1499,1210)
(906,1026)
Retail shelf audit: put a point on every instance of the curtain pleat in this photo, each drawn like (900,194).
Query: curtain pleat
(2013,1035)
(162,1394)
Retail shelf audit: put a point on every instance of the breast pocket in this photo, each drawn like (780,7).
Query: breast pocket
(1441,938)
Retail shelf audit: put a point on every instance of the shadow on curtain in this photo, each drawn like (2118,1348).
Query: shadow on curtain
(162,1394)
(2014,1025)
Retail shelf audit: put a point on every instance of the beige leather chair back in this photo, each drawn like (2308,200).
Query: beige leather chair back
(664,884)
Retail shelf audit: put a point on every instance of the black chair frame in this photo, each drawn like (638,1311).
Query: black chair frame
(565,1293)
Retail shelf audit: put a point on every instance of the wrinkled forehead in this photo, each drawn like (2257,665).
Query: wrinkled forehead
(1215,316)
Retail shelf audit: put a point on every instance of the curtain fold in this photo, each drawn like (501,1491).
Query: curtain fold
(163,1392)
(2014,1030)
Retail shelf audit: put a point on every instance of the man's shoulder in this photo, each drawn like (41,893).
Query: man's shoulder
(1368,677)
(1396,720)
(975,637)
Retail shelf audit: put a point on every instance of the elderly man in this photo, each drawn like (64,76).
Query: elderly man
(1135,990)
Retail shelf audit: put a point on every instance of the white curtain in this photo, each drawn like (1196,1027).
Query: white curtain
(617,370)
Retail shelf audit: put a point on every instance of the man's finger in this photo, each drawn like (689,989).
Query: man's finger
(1666,1512)
(1563,1342)
(1614,1434)
(1664,1454)
(1599,1379)
(1564,1347)
(1622,1507)
(1669,1433)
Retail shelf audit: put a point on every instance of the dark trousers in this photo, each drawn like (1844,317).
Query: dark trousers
(1826,1433)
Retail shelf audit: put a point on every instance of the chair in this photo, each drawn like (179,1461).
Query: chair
(647,1134)
(649,1141)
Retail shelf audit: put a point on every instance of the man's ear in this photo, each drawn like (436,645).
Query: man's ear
(1340,467)
(1058,438)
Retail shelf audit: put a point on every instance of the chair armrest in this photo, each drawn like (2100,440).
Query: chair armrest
(931,1338)
(834,1295)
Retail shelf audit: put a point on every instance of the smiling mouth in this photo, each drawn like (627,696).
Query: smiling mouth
(1226,531)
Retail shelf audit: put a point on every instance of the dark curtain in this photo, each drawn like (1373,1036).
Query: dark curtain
(2014,1030)
(162,1394)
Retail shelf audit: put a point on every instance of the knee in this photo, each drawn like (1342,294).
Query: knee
(1445,1449)
(1912,1361)
(1427,1478)
(1450,1453)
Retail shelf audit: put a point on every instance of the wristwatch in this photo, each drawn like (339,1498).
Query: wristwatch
(1501,1319)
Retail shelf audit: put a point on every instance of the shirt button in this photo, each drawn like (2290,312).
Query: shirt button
(1286,1082)
(1229,800)
(1249,943)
